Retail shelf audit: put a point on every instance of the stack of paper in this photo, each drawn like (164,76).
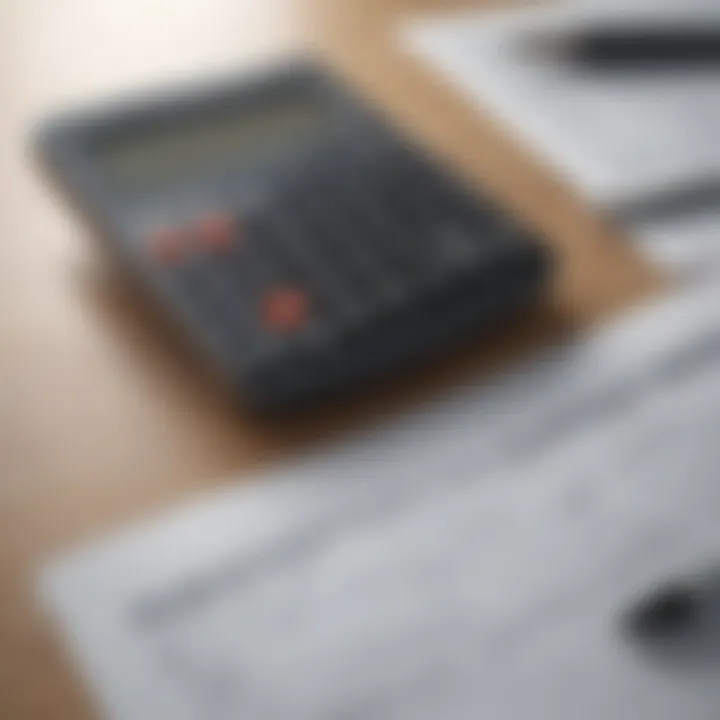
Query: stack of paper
(479,558)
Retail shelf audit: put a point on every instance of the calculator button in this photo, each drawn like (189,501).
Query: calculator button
(286,309)
(360,235)
(168,245)
(216,232)
(299,253)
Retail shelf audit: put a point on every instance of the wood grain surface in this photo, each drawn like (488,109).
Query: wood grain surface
(105,417)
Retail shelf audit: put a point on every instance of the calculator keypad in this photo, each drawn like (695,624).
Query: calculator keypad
(344,241)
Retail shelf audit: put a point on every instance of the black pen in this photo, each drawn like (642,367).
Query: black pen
(618,48)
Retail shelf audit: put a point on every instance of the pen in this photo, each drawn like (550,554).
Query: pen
(620,48)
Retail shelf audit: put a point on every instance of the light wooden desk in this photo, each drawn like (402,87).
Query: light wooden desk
(103,418)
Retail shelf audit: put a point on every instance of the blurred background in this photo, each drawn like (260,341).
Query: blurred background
(103,417)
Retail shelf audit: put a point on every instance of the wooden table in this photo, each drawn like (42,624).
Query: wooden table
(104,418)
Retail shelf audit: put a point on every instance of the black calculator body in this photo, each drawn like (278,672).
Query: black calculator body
(297,240)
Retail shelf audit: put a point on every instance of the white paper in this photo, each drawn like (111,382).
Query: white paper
(689,243)
(618,136)
(473,559)
(620,139)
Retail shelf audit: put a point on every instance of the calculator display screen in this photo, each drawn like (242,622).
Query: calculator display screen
(152,159)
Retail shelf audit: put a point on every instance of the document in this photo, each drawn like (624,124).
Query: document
(623,139)
(478,557)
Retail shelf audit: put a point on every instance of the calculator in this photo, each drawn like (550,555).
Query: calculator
(300,243)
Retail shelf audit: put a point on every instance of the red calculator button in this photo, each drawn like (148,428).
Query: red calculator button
(286,309)
(216,231)
(168,245)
